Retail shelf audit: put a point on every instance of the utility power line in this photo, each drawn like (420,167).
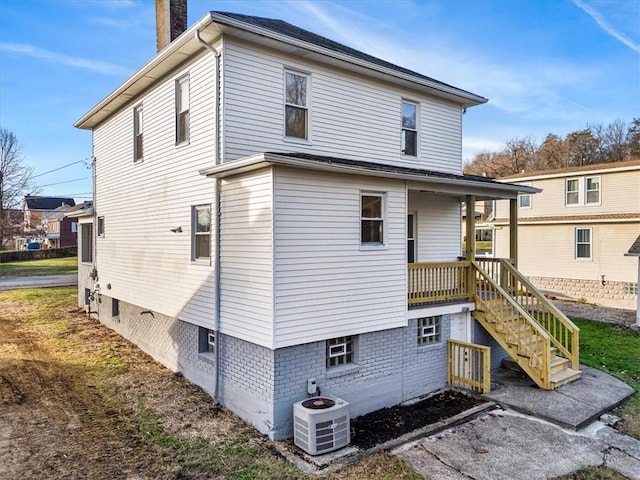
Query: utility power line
(84,160)
(66,181)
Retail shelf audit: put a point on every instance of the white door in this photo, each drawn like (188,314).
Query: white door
(460,328)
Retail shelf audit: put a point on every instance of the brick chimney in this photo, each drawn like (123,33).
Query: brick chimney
(171,21)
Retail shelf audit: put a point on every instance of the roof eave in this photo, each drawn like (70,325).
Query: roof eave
(466,99)
(263,160)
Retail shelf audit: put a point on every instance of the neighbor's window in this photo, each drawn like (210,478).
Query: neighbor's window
(372,220)
(296,107)
(524,200)
(137,133)
(340,351)
(202,232)
(593,189)
(101,226)
(206,340)
(409,128)
(86,239)
(573,191)
(429,330)
(182,110)
(583,243)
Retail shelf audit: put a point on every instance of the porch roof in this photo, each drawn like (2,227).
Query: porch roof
(418,178)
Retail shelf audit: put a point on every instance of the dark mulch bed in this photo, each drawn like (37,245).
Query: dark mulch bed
(388,423)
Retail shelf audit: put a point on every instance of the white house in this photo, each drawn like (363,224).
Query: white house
(259,193)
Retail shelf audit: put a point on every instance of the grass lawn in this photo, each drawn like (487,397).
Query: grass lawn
(615,350)
(49,266)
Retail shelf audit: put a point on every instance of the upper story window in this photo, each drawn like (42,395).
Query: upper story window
(201,232)
(101,226)
(86,241)
(573,191)
(372,219)
(409,128)
(524,199)
(296,105)
(137,133)
(592,189)
(182,110)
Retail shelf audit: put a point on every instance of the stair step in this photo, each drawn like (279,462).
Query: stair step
(563,377)
(558,364)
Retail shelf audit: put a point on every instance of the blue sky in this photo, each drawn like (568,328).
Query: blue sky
(546,66)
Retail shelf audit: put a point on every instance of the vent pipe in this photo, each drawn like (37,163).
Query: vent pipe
(171,21)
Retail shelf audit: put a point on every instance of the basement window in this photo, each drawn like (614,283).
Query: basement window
(340,351)
(429,330)
(206,340)
(115,307)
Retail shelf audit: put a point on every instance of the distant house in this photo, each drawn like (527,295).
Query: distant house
(34,210)
(572,237)
(62,226)
(634,251)
(277,215)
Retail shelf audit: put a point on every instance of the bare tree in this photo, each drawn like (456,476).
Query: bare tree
(633,139)
(15,181)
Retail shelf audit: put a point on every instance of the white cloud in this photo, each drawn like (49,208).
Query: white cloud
(606,26)
(96,66)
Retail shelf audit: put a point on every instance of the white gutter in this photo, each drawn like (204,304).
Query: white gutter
(471,98)
(266,159)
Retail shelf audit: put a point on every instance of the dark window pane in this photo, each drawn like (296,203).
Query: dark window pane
(411,251)
(183,127)
(371,206)
(202,246)
(371,231)
(572,198)
(584,251)
(408,115)
(409,142)
(593,196)
(296,122)
(203,220)
(296,89)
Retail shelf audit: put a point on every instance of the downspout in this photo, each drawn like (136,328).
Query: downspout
(216,262)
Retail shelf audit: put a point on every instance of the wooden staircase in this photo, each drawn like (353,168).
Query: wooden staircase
(537,336)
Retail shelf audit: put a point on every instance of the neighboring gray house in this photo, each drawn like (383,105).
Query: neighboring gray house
(273,208)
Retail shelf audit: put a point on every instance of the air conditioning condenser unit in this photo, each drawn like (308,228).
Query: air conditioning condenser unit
(321,424)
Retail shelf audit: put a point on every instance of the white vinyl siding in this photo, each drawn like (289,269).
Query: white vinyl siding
(326,286)
(144,261)
(352,116)
(246,258)
(438,227)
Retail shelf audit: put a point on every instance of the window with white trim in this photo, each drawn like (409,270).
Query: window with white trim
(86,239)
(583,243)
(201,231)
(572,191)
(182,110)
(409,128)
(524,200)
(137,133)
(592,189)
(372,219)
(296,110)
(340,351)
(429,330)
(206,340)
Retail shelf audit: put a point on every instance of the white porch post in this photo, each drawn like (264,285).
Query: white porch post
(513,231)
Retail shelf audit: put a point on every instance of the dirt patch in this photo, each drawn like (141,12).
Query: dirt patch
(388,423)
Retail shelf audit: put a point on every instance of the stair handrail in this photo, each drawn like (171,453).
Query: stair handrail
(541,332)
(572,352)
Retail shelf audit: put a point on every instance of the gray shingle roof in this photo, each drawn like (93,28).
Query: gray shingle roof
(47,203)
(635,248)
(283,28)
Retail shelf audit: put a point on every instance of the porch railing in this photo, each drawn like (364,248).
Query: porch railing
(438,282)
(469,366)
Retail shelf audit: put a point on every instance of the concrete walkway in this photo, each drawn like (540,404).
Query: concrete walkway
(505,445)
(540,434)
(573,405)
(13,283)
